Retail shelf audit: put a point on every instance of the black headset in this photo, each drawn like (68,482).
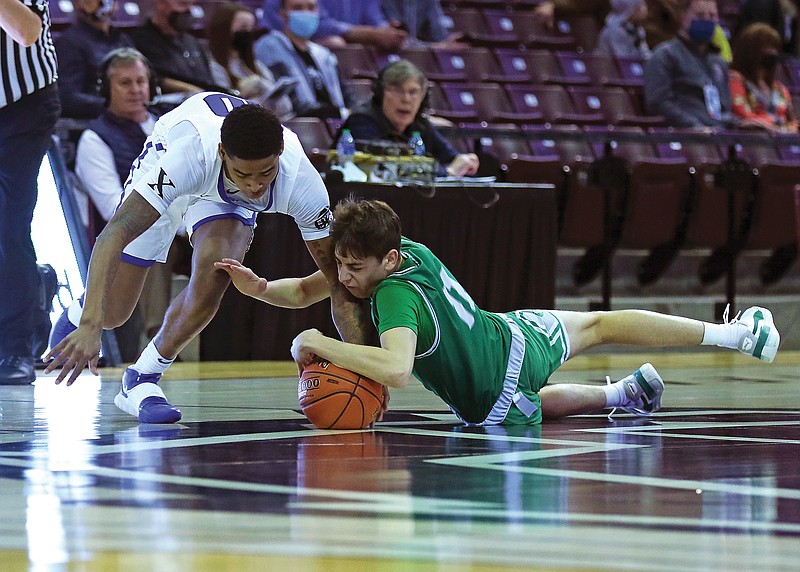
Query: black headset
(378,87)
(104,81)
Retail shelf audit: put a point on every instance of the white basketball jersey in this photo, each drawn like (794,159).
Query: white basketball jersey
(186,142)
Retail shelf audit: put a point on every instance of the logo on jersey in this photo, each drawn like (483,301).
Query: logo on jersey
(324,219)
(163,181)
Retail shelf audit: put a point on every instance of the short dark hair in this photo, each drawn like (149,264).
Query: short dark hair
(251,132)
(363,228)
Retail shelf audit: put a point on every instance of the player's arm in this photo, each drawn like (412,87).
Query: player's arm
(391,364)
(21,23)
(350,314)
(285,293)
(82,346)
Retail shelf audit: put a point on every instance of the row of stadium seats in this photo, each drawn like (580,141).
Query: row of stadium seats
(668,194)
(508,142)
(514,66)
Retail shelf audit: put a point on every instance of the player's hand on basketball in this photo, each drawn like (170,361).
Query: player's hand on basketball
(73,353)
(302,348)
(245,280)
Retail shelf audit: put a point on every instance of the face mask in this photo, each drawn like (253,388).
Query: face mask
(701,31)
(769,62)
(181,21)
(303,24)
(242,41)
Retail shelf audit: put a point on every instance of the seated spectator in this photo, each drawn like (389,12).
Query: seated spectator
(396,111)
(623,34)
(662,23)
(81,49)
(179,58)
(342,22)
(290,53)
(233,63)
(422,19)
(106,150)
(759,99)
(686,80)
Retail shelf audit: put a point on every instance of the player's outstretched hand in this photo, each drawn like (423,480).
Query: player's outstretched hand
(245,280)
(73,353)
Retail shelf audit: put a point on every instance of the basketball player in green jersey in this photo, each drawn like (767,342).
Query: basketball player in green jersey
(490,368)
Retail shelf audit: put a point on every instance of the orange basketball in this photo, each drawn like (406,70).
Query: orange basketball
(336,398)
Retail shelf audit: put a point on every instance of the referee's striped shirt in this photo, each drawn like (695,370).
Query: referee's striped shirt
(25,70)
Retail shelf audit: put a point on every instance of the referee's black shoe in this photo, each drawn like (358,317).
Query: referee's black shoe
(17,370)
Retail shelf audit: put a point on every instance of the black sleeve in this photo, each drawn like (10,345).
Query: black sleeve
(438,147)
(363,127)
(75,72)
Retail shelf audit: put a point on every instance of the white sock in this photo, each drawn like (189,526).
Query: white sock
(615,393)
(150,361)
(722,335)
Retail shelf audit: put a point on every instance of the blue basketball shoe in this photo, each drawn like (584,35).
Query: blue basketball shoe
(141,397)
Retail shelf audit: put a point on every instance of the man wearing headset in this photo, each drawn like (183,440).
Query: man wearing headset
(395,112)
(109,145)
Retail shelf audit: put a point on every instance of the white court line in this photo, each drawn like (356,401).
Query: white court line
(495,463)
(401,504)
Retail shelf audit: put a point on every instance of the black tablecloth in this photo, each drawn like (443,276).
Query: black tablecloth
(502,252)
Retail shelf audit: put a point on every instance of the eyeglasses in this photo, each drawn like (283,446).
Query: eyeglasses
(397,91)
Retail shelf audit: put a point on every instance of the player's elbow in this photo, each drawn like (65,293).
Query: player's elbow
(396,381)
(29,35)
(399,377)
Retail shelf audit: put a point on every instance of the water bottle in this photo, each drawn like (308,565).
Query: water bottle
(345,148)
(416,144)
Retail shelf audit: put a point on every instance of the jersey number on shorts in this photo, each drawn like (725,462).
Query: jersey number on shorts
(453,289)
(221,104)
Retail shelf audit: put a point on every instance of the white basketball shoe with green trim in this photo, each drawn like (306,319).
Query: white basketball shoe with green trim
(760,337)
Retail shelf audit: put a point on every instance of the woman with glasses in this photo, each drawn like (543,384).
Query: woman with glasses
(397,110)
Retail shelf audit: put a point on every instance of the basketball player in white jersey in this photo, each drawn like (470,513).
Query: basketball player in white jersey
(212,164)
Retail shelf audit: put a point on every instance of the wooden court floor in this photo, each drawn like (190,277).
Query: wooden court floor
(712,482)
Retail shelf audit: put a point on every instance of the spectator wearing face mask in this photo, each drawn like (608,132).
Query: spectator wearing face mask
(686,80)
(290,53)
(759,98)
(345,22)
(81,49)
(179,58)
(623,34)
(233,63)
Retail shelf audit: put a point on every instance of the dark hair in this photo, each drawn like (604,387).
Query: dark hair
(220,38)
(363,228)
(748,50)
(251,132)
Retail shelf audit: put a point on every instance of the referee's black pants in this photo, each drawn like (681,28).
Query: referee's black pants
(25,129)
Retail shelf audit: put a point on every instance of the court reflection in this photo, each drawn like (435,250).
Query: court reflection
(357,462)
(65,427)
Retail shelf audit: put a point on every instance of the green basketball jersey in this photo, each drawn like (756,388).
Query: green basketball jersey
(462,351)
